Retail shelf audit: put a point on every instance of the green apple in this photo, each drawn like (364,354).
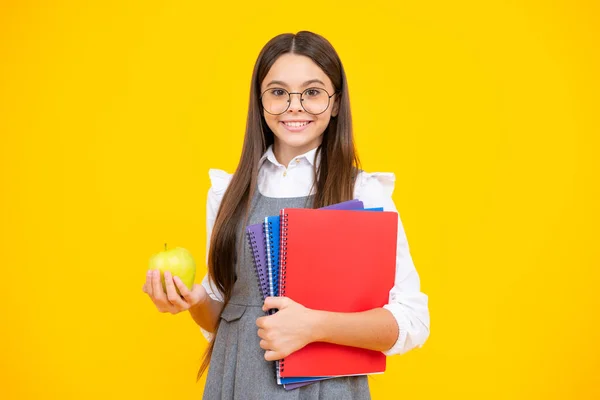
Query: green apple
(178,261)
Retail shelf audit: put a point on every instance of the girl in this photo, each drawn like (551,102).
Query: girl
(298,152)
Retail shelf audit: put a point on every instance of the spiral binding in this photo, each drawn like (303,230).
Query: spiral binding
(268,251)
(254,247)
(283,252)
(283,227)
(272,257)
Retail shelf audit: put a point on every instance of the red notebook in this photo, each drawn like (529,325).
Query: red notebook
(342,261)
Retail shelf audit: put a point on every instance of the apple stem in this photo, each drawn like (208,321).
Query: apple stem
(165,247)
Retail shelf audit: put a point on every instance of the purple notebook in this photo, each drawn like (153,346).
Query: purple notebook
(346,205)
(256,240)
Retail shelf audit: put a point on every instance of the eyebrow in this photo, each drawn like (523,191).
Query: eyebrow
(304,84)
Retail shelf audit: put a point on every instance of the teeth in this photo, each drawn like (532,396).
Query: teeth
(296,124)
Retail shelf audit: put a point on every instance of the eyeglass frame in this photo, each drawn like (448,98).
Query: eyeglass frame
(301,99)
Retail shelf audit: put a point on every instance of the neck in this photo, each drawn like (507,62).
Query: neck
(285,154)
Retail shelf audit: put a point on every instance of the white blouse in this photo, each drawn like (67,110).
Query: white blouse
(406,301)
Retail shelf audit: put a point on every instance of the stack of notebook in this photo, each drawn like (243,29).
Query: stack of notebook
(338,258)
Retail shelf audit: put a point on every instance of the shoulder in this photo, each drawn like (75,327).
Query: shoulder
(375,189)
(219,182)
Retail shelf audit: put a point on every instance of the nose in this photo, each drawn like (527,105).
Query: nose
(295,102)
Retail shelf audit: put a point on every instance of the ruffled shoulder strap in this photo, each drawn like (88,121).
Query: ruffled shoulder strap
(375,184)
(219,180)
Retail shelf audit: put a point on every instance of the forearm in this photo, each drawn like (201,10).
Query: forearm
(375,329)
(207,313)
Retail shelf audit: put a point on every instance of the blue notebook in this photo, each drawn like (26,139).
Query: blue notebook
(271,229)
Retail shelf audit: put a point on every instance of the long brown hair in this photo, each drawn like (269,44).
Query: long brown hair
(335,173)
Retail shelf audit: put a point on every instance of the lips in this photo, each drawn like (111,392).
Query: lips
(295,126)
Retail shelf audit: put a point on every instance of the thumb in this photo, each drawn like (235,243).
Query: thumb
(275,302)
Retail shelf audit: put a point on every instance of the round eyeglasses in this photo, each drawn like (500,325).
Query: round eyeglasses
(313,100)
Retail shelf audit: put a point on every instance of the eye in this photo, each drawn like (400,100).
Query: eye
(277,92)
(313,92)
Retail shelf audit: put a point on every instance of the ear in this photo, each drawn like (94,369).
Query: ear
(336,107)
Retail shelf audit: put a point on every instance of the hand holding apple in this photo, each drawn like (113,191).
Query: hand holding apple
(171,301)
(170,281)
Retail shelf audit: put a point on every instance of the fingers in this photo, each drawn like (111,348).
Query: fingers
(157,290)
(158,295)
(266,342)
(273,355)
(270,355)
(185,292)
(263,322)
(170,301)
(262,334)
(172,296)
(275,303)
(148,284)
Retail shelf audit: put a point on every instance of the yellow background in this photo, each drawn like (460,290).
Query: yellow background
(112,113)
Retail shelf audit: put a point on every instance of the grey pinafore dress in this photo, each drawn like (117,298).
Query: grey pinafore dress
(237,368)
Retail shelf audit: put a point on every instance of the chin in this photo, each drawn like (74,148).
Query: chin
(298,142)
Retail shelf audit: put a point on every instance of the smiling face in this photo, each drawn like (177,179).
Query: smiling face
(297,131)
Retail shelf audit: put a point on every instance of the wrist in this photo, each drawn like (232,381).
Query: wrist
(317,330)
(200,303)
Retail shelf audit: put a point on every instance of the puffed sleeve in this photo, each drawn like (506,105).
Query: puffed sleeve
(219,182)
(406,302)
